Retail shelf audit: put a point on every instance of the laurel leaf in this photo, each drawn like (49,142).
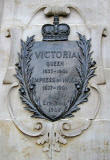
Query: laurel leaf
(24,75)
(85,73)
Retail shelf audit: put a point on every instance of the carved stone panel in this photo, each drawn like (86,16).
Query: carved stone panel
(54,86)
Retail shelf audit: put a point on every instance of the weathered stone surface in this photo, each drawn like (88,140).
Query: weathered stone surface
(19,19)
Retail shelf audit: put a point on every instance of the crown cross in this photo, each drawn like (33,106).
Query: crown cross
(55,31)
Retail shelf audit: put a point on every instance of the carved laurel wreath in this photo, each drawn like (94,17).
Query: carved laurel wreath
(28,83)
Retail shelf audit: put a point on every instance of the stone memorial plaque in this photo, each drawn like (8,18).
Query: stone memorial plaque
(54,73)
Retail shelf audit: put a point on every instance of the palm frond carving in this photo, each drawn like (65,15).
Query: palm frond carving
(28,83)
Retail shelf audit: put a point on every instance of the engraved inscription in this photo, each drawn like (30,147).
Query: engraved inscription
(54,54)
(55,72)
(54,76)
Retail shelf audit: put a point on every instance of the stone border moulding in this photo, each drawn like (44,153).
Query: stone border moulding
(51,134)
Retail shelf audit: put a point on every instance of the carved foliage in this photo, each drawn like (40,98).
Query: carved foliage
(28,83)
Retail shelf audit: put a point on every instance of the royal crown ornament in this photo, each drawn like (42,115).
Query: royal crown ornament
(54,73)
(55,32)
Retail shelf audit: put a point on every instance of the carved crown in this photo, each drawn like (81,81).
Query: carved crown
(55,31)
